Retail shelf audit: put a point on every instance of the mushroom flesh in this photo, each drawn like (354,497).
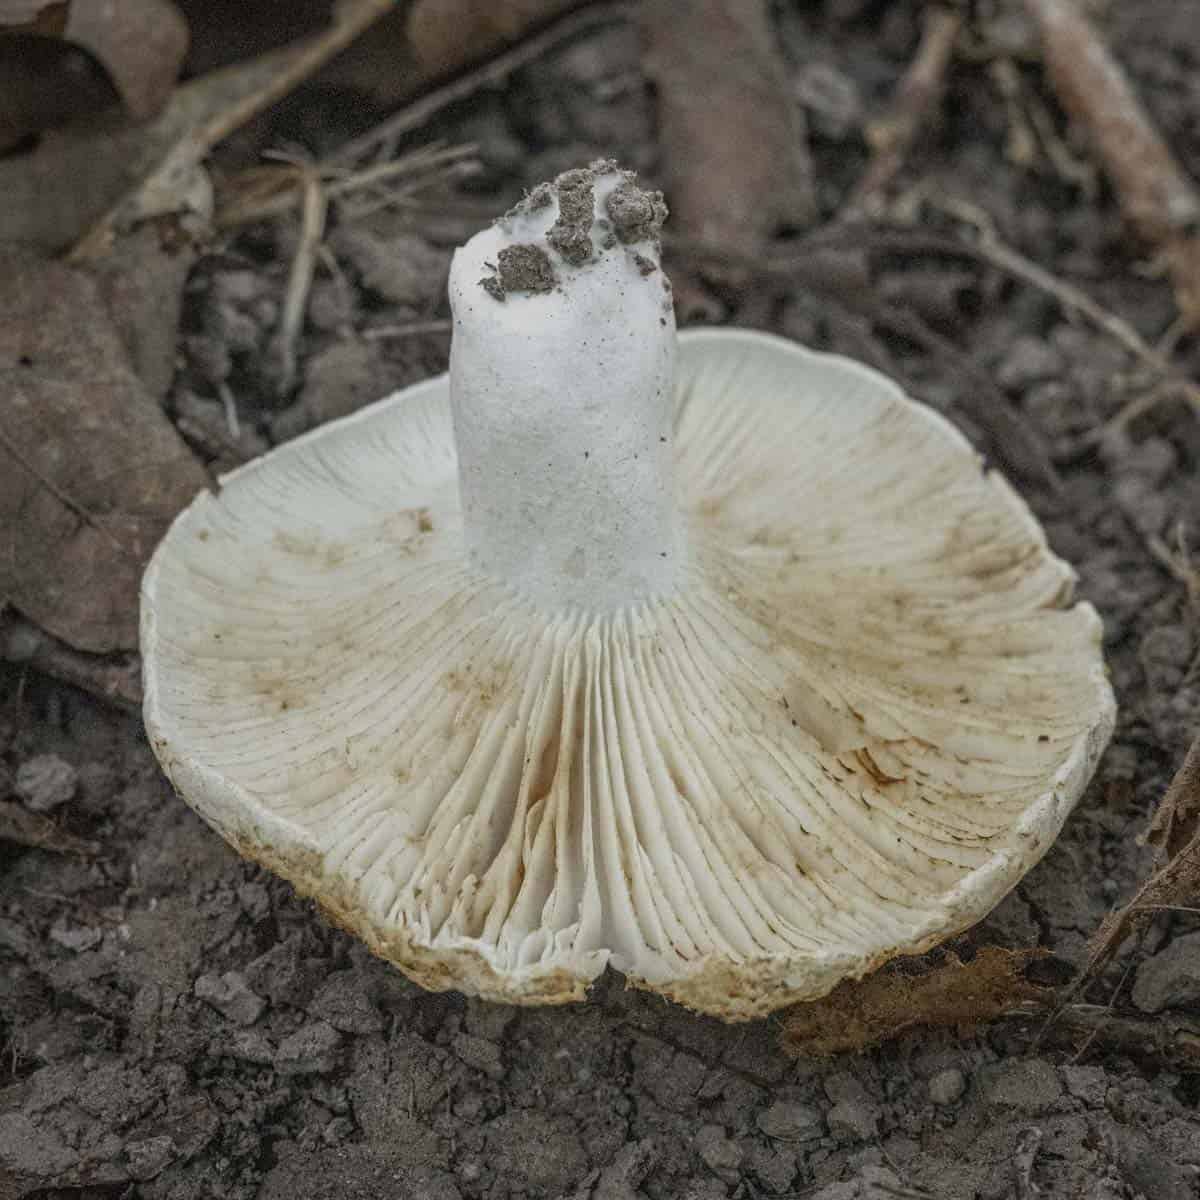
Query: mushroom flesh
(705,656)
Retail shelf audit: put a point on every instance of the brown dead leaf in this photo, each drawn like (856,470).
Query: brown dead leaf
(142,282)
(43,16)
(141,44)
(867,1012)
(27,828)
(94,471)
(734,152)
(60,63)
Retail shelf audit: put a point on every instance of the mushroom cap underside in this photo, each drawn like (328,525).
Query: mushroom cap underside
(863,716)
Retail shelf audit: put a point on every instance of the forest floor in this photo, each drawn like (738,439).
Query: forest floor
(176,1025)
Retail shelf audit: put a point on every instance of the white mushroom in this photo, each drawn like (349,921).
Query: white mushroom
(732,667)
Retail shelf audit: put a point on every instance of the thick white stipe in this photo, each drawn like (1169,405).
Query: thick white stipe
(563,403)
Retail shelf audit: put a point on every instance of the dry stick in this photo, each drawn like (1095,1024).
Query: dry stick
(1155,195)
(168,181)
(114,679)
(420,112)
(914,102)
(989,248)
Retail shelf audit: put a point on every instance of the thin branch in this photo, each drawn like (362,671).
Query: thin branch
(913,105)
(420,112)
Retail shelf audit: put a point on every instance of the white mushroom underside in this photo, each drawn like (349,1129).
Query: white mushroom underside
(865,715)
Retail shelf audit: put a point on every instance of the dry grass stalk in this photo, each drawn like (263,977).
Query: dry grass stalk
(313,211)
(272,190)
(1175,833)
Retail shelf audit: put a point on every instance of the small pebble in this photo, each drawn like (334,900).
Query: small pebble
(831,99)
(311,1050)
(231,996)
(721,1154)
(947,1087)
(46,782)
(1029,360)
(1171,978)
(791,1122)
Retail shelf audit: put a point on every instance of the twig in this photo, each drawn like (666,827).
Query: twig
(1155,195)
(229,402)
(1168,1040)
(1025,1153)
(383,137)
(167,183)
(412,329)
(304,263)
(990,248)
(1181,567)
(914,102)
(115,679)
(1164,390)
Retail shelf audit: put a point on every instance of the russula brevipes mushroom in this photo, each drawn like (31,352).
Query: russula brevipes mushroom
(709,658)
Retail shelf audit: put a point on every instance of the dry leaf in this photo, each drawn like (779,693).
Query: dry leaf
(867,1012)
(27,828)
(44,16)
(95,472)
(134,51)
(141,44)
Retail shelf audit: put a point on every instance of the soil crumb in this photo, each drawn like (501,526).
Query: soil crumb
(636,215)
(520,268)
(571,234)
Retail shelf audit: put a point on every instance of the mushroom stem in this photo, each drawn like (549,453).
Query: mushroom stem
(561,388)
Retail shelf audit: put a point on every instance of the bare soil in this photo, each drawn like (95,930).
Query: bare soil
(176,1025)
